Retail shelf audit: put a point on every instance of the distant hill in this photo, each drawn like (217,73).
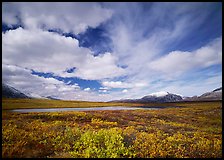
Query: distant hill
(208,96)
(154,97)
(162,96)
(10,92)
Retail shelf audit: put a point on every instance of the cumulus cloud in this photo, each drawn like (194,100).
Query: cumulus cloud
(40,50)
(49,52)
(87,89)
(145,47)
(140,34)
(69,17)
(143,32)
(177,62)
(100,67)
(119,84)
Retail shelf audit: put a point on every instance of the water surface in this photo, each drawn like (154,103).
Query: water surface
(81,109)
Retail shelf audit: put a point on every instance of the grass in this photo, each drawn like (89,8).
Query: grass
(194,131)
(8,104)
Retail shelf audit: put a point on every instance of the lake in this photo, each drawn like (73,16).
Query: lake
(83,109)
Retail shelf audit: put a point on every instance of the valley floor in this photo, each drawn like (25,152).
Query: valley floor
(195,130)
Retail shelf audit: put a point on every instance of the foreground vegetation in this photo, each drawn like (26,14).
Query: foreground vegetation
(195,130)
(10,103)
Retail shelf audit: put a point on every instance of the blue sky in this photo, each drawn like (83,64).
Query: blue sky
(105,51)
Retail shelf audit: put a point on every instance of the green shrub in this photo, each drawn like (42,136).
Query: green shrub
(105,143)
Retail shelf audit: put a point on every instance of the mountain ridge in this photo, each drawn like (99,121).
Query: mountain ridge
(216,94)
(163,96)
(160,97)
(11,92)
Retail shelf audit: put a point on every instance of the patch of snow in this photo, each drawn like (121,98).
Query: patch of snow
(159,94)
(178,94)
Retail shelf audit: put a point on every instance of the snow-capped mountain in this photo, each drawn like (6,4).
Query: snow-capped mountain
(161,96)
(10,92)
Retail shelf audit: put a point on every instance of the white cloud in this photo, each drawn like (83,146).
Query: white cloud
(124,91)
(100,67)
(87,89)
(69,17)
(33,85)
(140,84)
(143,32)
(119,84)
(103,91)
(103,88)
(131,23)
(177,62)
(49,52)
(40,50)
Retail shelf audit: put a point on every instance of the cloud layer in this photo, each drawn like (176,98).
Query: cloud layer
(178,62)
(41,87)
(49,52)
(69,17)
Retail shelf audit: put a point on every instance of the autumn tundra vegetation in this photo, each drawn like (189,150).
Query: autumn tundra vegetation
(193,130)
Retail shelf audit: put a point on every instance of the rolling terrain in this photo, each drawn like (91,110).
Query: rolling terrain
(191,131)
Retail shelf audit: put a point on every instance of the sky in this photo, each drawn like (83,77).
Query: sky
(102,51)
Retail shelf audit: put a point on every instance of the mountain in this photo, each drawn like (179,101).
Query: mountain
(214,95)
(154,97)
(162,97)
(10,92)
(208,96)
(218,90)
